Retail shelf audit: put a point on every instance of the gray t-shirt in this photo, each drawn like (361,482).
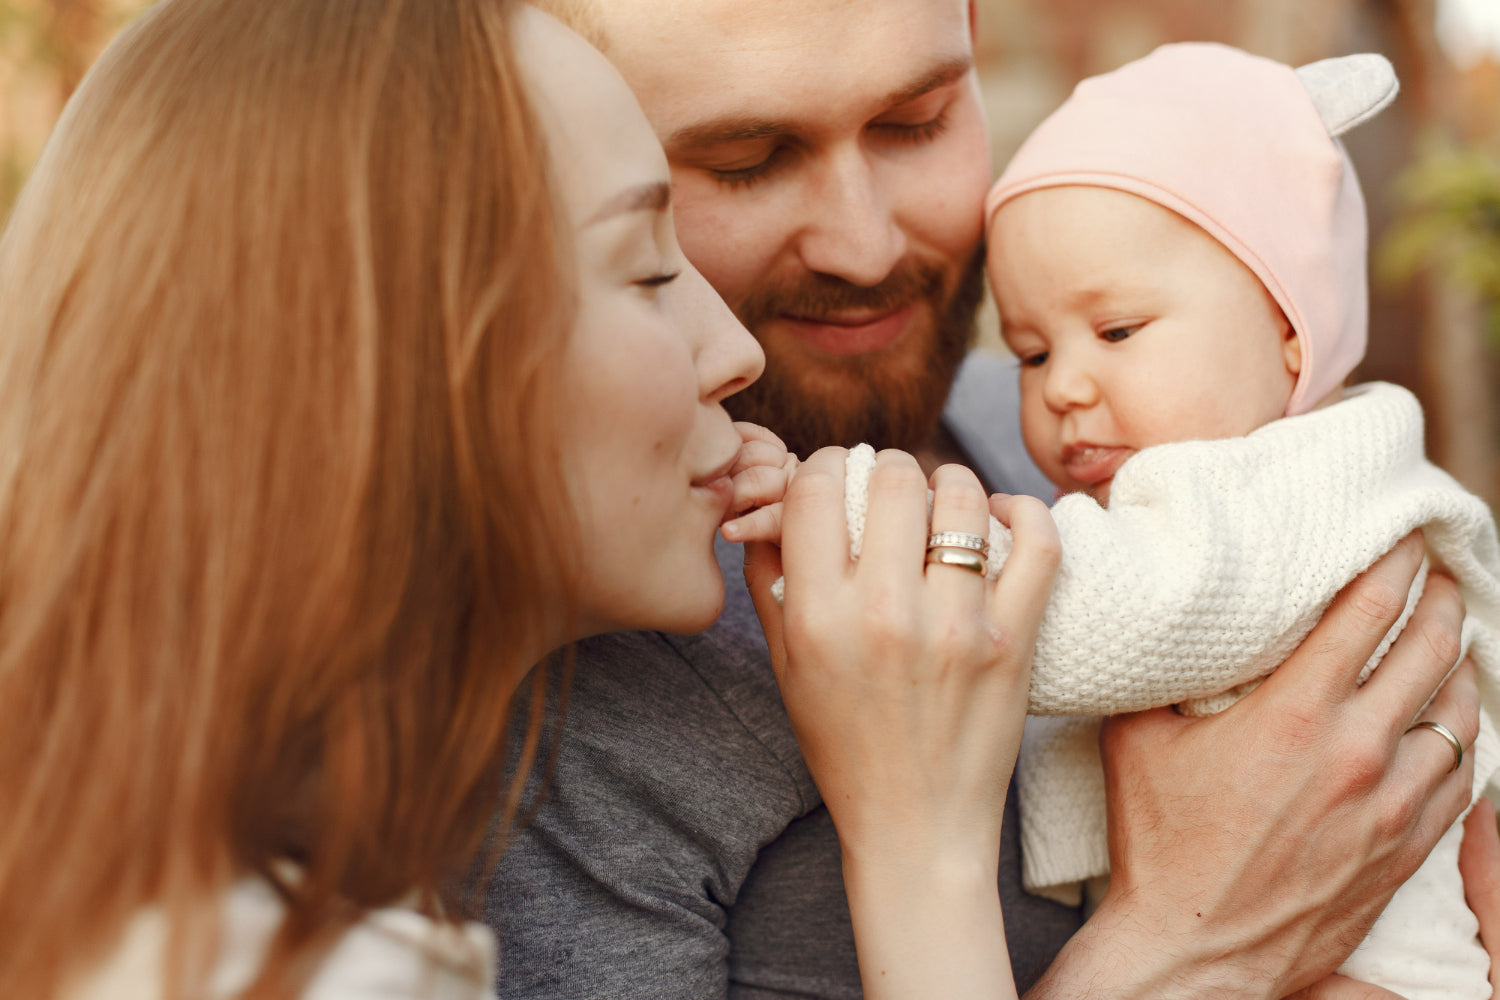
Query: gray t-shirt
(681,849)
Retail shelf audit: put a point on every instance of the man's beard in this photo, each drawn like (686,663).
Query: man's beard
(891,398)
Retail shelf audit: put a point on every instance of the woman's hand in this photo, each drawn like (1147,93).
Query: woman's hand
(761,476)
(906,686)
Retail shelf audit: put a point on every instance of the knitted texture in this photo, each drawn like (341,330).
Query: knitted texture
(1213,561)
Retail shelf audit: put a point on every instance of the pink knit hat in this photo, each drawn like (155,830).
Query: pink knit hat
(1244,148)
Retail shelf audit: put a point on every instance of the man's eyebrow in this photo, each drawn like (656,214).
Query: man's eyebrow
(940,75)
(745,128)
(652,197)
(726,130)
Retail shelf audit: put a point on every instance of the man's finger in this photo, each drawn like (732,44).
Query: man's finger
(1327,664)
(1422,656)
(1479,863)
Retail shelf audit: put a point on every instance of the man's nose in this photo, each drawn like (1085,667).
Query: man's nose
(850,228)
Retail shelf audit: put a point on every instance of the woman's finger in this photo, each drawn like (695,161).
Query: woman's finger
(1025,585)
(815,537)
(959,507)
(762,568)
(895,535)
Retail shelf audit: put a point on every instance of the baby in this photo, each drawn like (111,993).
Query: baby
(1178,257)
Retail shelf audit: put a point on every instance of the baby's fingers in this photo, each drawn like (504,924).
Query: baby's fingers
(763,453)
(757,486)
(763,524)
(755,432)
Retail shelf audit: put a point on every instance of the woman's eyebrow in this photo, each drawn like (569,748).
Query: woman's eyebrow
(652,197)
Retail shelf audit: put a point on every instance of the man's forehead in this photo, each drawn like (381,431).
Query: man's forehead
(774,60)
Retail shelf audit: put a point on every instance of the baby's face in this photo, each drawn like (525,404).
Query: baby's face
(1133,328)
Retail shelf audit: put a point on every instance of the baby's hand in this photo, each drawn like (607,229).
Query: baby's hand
(760,478)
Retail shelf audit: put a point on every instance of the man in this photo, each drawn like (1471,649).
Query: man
(829,161)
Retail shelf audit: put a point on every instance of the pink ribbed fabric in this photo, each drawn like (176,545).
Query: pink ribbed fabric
(1232,142)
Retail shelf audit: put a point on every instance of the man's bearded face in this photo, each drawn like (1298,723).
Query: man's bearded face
(891,398)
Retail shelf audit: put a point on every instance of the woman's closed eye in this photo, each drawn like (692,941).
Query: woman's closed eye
(656,281)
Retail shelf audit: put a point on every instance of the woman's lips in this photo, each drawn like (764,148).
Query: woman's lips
(1093,464)
(852,333)
(718,483)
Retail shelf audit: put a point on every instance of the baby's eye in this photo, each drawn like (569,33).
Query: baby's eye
(1115,334)
(1034,360)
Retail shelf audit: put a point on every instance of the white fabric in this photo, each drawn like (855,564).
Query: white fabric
(392,954)
(1213,561)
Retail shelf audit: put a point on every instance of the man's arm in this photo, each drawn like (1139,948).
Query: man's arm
(1252,850)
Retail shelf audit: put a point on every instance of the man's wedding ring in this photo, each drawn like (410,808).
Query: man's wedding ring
(958,540)
(960,556)
(1447,734)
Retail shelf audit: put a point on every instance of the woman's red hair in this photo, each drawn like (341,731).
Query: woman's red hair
(281,315)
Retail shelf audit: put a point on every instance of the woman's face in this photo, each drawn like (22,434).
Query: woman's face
(653,352)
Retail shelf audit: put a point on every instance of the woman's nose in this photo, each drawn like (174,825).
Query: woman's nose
(728,358)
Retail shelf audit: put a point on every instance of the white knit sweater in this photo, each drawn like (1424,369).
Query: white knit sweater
(1212,562)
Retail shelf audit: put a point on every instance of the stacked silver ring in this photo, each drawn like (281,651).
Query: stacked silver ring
(959,548)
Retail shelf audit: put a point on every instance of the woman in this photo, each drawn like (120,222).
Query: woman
(329,408)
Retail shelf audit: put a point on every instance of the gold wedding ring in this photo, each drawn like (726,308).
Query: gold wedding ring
(958,540)
(1445,733)
(960,556)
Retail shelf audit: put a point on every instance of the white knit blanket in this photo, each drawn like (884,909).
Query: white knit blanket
(1213,561)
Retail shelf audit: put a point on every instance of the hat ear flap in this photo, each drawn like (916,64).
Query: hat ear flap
(1349,90)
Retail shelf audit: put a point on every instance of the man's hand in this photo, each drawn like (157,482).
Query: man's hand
(1252,850)
(1479,861)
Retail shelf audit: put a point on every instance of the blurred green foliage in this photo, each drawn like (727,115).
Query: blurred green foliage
(1448,223)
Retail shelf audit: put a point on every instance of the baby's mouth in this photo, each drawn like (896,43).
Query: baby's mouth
(1090,464)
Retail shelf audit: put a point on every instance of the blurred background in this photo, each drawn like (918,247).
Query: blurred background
(1430,164)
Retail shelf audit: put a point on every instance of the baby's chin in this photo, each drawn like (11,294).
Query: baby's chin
(1099,492)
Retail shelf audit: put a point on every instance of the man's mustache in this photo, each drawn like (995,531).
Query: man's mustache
(815,296)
